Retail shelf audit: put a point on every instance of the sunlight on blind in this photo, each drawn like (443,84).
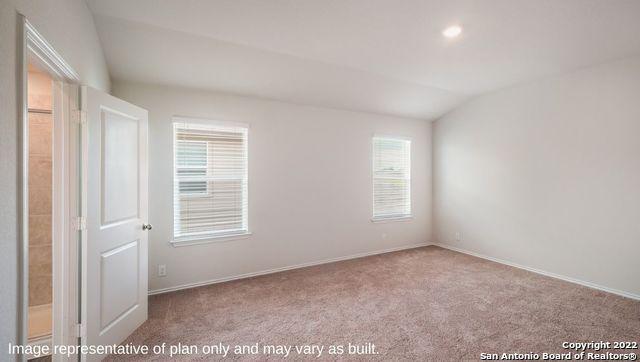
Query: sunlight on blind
(391,178)
(210,181)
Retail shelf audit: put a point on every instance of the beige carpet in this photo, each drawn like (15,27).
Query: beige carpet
(421,304)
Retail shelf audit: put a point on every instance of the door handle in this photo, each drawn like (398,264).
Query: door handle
(147,227)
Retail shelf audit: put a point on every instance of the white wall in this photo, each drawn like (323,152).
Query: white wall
(68,26)
(547,175)
(309,184)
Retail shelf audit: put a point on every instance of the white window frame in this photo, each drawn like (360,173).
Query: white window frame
(391,218)
(206,238)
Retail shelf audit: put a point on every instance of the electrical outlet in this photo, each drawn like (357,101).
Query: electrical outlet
(458,236)
(162,270)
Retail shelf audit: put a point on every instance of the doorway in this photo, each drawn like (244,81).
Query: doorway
(50,140)
(40,181)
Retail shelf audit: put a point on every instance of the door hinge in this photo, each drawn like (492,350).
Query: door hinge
(80,331)
(81,223)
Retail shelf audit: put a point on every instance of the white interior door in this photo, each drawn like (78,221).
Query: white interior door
(114,247)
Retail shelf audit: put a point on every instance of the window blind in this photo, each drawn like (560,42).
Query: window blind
(210,181)
(391,178)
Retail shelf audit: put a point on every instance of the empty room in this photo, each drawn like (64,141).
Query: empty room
(404,180)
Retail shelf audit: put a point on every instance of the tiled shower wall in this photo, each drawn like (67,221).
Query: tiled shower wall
(40,188)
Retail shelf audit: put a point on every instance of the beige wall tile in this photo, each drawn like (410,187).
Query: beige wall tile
(40,261)
(40,90)
(40,230)
(40,134)
(40,201)
(40,189)
(40,171)
(41,119)
(40,290)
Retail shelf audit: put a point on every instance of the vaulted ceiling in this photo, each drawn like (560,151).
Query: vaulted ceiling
(381,56)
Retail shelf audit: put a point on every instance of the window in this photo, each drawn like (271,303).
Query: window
(391,178)
(210,180)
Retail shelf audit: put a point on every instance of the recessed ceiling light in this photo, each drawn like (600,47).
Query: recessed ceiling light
(452,31)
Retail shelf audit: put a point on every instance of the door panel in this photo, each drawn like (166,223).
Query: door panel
(120,144)
(119,270)
(114,248)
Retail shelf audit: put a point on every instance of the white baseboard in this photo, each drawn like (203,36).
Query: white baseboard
(542,272)
(276,270)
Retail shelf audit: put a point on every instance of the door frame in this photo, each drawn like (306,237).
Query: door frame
(66,138)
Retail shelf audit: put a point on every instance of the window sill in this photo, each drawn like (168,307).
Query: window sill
(392,219)
(209,239)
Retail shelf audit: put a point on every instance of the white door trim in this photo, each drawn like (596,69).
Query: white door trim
(36,48)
